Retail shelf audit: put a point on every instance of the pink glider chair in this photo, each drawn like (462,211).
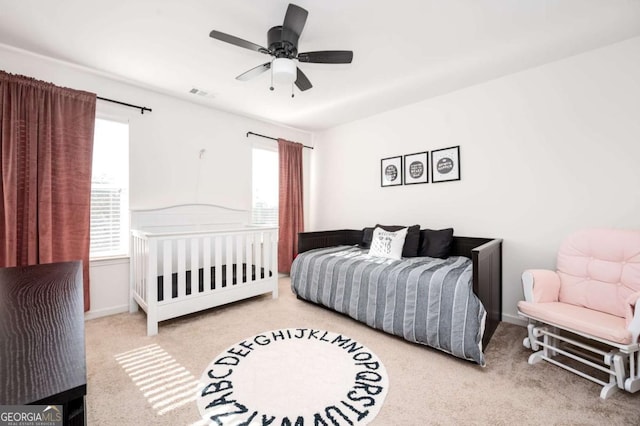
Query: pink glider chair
(594,295)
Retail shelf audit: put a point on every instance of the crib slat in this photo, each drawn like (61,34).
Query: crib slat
(274,258)
(134,276)
(239,259)
(206,263)
(248,245)
(167,278)
(195,268)
(143,246)
(257,242)
(266,248)
(229,260)
(218,261)
(135,263)
(151,296)
(181,268)
(139,272)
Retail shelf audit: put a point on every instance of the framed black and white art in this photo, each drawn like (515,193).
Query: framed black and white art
(416,169)
(445,164)
(391,171)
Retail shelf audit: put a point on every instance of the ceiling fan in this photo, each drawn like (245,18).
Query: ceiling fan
(283,46)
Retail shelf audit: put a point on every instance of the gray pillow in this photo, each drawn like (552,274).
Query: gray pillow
(367,236)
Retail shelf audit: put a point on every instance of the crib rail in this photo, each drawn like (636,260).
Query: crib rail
(173,273)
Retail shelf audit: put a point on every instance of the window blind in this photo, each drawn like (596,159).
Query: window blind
(261,214)
(110,190)
(264,206)
(106,223)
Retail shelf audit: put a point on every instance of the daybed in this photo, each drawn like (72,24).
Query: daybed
(451,303)
(189,258)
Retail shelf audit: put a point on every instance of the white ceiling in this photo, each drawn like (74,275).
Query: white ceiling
(404,50)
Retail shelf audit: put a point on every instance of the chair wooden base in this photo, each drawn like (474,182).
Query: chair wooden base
(619,362)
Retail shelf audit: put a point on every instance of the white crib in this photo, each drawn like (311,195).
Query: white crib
(188,258)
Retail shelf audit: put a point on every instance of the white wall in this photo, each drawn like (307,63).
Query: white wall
(165,168)
(543,152)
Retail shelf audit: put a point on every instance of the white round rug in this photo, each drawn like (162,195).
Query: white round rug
(294,376)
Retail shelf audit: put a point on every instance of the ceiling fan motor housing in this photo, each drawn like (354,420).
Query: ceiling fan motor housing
(282,44)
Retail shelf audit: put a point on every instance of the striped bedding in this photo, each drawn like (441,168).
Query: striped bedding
(422,299)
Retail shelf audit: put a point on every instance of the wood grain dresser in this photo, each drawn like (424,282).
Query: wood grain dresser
(42,353)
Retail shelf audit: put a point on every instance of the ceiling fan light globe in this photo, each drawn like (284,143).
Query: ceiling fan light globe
(284,71)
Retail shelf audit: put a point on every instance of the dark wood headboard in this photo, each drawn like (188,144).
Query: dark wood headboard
(485,253)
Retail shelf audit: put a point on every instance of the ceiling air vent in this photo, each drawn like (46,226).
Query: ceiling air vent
(200,92)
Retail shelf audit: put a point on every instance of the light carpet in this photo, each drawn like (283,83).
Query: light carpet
(425,386)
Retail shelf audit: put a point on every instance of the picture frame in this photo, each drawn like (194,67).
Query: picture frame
(445,164)
(416,168)
(391,171)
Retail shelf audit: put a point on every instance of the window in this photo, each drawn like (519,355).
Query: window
(264,209)
(110,190)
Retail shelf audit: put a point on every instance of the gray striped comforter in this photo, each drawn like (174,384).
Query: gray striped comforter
(422,299)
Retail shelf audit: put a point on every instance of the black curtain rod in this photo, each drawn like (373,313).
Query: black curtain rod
(269,137)
(141,108)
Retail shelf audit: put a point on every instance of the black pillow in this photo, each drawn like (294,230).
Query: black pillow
(367,237)
(411,241)
(436,243)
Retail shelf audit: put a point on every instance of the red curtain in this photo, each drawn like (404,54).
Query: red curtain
(46,145)
(290,206)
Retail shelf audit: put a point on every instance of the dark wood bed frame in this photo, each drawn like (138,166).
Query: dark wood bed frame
(485,253)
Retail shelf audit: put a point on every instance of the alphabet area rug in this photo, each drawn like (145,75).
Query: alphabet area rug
(293,376)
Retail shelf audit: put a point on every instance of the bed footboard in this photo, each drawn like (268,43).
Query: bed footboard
(487,283)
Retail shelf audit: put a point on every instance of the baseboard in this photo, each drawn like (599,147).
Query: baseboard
(514,319)
(105,312)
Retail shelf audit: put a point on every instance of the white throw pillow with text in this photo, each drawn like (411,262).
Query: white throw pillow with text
(387,244)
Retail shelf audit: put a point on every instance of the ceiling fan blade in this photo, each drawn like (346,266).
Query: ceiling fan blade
(302,81)
(254,72)
(237,41)
(327,57)
(294,21)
